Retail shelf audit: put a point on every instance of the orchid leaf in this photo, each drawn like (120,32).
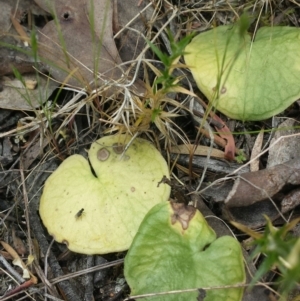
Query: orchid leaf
(246,77)
(175,249)
(99,211)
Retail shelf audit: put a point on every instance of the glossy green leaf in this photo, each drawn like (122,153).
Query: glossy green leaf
(257,79)
(100,212)
(175,249)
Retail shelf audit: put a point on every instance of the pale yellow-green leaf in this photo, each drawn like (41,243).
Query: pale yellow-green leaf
(257,79)
(114,202)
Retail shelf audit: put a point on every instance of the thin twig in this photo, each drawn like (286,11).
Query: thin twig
(46,264)
(26,204)
(11,269)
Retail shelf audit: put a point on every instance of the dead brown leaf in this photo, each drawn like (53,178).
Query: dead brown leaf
(71,48)
(15,96)
(253,187)
(81,41)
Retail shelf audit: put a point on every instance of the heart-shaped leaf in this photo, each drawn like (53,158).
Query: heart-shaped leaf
(256,80)
(175,249)
(100,212)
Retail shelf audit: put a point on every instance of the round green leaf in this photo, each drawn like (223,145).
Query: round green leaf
(256,80)
(175,249)
(100,212)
